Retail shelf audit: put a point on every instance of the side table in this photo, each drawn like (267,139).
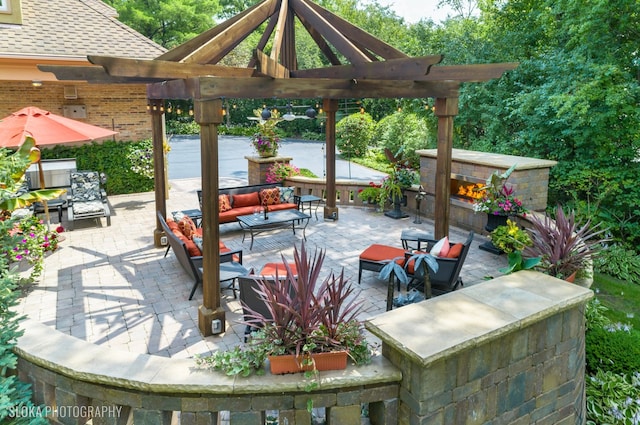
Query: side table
(414,235)
(310,200)
(229,272)
(57,204)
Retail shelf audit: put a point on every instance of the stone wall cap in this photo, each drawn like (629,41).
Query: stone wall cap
(499,161)
(475,315)
(84,361)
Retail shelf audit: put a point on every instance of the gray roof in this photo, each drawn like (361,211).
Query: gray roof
(73,29)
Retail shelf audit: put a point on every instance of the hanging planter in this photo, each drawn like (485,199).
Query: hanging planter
(289,363)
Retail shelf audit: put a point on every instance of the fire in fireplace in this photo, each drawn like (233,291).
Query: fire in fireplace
(465,190)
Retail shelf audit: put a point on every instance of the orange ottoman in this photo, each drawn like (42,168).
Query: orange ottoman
(376,256)
(270,270)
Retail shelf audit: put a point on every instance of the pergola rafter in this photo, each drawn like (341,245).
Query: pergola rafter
(375,69)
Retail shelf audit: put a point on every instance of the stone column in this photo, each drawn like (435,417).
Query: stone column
(258,166)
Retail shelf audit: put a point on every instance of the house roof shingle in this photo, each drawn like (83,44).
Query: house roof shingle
(72,29)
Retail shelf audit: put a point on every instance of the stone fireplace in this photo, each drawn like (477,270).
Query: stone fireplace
(470,169)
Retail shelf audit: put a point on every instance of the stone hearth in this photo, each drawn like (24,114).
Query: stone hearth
(530,179)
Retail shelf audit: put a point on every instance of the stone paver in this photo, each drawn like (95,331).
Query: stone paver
(111,286)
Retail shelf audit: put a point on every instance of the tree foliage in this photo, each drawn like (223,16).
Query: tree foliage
(167,22)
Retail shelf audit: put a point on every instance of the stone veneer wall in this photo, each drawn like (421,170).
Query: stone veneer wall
(530,181)
(257,167)
(121,107)
(507,351)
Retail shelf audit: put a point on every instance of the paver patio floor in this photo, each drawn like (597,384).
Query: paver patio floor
(112,287)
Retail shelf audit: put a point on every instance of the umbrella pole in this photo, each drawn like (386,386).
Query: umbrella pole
(44,202)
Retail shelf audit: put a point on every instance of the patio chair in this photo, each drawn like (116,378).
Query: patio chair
(447,278)
(251,301)
(192,264)
(86,198)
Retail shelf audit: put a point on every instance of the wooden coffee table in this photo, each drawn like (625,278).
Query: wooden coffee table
(256,224)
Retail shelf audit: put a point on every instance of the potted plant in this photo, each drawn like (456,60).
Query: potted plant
(371,194)
(499,202)
(280,171)
(307,319)
(564,246)
(498,199)
(512,239)
(266,140)
(401,178)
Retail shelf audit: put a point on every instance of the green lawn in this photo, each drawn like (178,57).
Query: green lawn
(621,298)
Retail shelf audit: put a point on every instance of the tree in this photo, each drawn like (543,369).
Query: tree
(167,22)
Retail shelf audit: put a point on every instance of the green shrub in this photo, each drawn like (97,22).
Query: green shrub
(354,134)
(405,131)
(613,398)
(614,348)
(182,127)
(14,394)
(111,158)
(619,262)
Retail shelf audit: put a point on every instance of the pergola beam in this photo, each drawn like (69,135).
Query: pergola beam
(393,69)
(337,38)
(292,88)
(359,36)
(166,70)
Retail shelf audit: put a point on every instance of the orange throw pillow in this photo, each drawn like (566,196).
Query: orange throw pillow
(246,200)
(224,203)
(270,196)
(455,251)
(187,226)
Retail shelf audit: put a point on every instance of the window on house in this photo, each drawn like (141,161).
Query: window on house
(5,6)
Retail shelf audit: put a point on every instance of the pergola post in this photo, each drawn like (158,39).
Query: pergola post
(446,110)
(330,107)
(156,108)
(208,114)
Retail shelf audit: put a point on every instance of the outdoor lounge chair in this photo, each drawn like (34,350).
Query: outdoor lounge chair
(86,198)
(446,279)
(193,264)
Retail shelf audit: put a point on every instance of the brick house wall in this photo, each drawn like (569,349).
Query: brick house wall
(121,107)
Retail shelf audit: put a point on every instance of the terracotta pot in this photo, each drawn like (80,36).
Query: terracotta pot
(572,277)
(289,363)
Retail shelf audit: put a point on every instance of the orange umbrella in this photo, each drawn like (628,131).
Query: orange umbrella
(46,128)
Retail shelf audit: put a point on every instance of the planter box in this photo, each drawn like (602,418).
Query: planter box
(335,360)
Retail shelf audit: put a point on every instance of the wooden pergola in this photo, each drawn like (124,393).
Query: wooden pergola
(361,66)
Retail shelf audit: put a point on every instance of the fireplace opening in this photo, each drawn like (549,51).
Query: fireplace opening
(465,190)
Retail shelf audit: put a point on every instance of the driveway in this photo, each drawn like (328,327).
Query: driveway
(184,158)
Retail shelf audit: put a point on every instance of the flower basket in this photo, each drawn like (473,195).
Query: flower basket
(268,153)
(289,363)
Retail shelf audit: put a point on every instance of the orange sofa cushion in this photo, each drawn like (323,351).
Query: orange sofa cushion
(246,200)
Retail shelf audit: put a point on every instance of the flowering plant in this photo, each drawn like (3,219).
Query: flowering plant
(33,240)
(371,194)
(404,176)
(498,198)
(280,171)
(266,141)
(510,238)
